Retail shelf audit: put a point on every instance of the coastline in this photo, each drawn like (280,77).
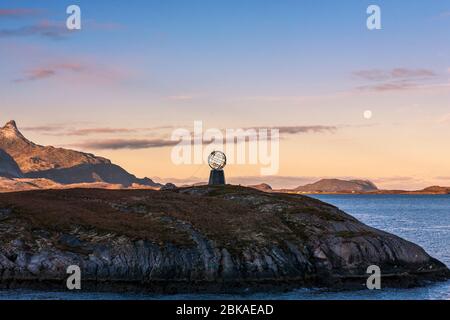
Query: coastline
(380,192)
(160,240)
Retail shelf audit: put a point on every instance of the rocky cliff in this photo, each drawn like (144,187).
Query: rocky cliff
(61,165)
(32,157)
(8,167)
(197,238)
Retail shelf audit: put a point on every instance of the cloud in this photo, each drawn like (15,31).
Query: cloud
(77,132)
(37,74)
(50,71)
(403,73)
(306,129)
(388,87)
(398,79)
(44,28)
(76,73)
(397,73)
(291,130)
(54,30)
(89,131)
(133,144)
(283,130)
(43,129)
(18,12)
(67,130)
(432,87)
(116,144)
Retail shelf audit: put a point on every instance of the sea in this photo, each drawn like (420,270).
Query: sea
(422,219)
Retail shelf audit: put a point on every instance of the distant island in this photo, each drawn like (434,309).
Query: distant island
(337,186)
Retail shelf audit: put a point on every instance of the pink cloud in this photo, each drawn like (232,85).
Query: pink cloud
(396,73)
(398,79)
(50,71)
(76,67)
(89,131)
(387,87)
(36,74)
(131,144)
(44,28)
(75,73)
(18,12)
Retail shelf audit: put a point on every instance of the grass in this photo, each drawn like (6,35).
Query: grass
(143,214)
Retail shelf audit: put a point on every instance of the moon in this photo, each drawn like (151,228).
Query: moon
(367,114)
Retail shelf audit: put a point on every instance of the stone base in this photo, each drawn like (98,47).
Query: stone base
(216,177)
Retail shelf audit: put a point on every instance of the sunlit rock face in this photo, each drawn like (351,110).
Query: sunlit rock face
(63,166)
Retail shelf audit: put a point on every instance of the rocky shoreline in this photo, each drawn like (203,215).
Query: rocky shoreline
(197,239)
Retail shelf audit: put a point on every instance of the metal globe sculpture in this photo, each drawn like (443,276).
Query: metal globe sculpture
(217,160)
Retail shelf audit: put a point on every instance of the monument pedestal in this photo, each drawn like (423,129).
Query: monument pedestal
(216,177)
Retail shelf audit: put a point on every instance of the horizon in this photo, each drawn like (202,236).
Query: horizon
(350,103)
(276,182)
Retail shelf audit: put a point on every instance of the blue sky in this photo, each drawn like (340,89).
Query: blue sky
(238,45)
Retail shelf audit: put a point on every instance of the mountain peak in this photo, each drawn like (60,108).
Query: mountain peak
(10,131)
(10,125)
(58,164)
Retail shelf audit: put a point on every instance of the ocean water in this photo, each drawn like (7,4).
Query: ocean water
(422,219)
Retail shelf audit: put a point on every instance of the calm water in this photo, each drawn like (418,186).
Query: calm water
(423,219)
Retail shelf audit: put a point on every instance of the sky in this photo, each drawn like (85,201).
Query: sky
(137,70)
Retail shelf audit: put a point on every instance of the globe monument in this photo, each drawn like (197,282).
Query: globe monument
(217,160)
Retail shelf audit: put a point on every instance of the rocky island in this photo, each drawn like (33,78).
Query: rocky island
(216,239)
(338,186)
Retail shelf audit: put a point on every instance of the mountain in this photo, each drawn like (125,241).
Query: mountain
(336,186)
(32,157)
(436,189)
(61,165)
(8,167)
(262,187)
(90,173)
